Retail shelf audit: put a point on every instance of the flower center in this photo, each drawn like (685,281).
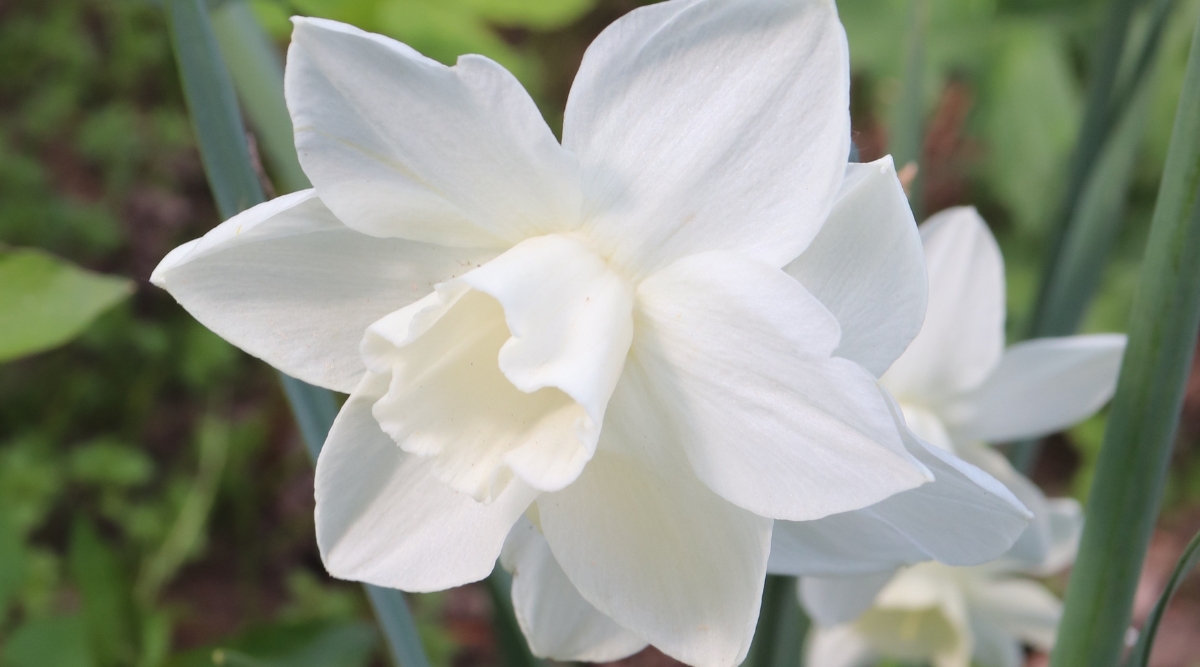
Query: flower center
(507,370)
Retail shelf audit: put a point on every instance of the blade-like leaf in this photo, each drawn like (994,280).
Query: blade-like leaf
(1131,468)
(234,182)
(1140,655)
(908,125)
(45,302)
(60,641)
(258,76)
(782,625)
(105,592)
(514,650)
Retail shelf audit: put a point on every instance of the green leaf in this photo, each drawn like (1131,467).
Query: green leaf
(104,589)
(12,562)
(1140,655)
(514,650)
(45,302)
(541,15)
(782,626)
(1030,122)
(258,76)
(313,644)
(1144,415)
(60,641)
(214,110)
(908,128)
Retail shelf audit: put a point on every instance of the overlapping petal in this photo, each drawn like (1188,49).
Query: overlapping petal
(398,145)
(964,517)
(832,601)
(867,267)
(558,623)
(689,115)
(962,339)
(840,646)
(287,282)
(1021,608)
(738,355)
(1040,386)
(383,517)
(650,546)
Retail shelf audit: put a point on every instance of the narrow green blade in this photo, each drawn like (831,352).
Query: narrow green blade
(1144,416)
(1140,655)
(510,641)
(235,185)
(258,77)
(908,124)
(782,625)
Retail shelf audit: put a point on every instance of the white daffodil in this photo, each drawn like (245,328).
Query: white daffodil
(957,386)
(945,616)
(650,341)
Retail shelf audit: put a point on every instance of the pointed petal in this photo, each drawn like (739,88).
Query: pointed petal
(1049,544)
(840,646)
(1041,386)
(290,284)
(835,600)
(994,647)
(383,518)
(712,124)
(399,145)
(965,517)
(651,547)
(868,268)
(962,338)
(738,353)
(1020,608)
(558,623)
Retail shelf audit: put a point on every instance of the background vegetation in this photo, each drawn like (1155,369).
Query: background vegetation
(155,497)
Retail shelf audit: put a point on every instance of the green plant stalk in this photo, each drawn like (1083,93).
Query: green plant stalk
(188,528)
(1140,655)
(1093,233)
(1130,471)
(258,77)
(1073,271)
(782,626)
(1097,124)
(235,185)
(514,650)
(908,124)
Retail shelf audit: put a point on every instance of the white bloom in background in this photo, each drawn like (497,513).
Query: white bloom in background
(957,386)
(945,616)
(625,355)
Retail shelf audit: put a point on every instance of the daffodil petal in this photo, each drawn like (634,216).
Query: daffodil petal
(712,124)
(840,646)
(868,268)
(1041,386)
(650,546)
(1049,543)
(1022,608)
(994,647)
(962,339)
(504,371)
(288,283)
(558,623)
(738,355)
(383,518)
(399,145)
(964,517)
(449,402)
(832,601)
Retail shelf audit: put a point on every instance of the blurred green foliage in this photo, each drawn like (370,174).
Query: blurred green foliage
(155,502)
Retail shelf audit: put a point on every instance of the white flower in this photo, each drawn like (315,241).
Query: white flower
(945,616)
(651,340)
(957,386)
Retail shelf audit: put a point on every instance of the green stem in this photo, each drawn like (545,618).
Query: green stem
(1131,469)
(510,641)
(908,126)
(235,186)
(782,625)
